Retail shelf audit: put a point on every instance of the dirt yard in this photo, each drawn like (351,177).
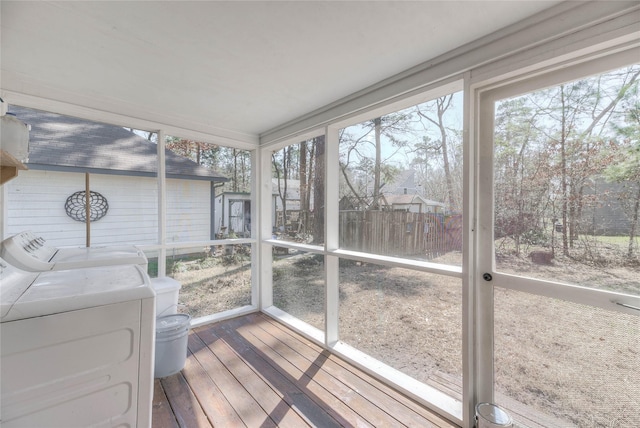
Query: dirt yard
(577,363)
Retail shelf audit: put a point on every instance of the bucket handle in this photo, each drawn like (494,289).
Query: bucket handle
(176,305)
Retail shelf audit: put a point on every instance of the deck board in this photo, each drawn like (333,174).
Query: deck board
(213,402)
(315,379)
(186,408)
(376,393)
(163,416)
(244,404)
(253,371)
(317,401)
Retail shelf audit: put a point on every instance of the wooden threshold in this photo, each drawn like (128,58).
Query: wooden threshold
(253,371)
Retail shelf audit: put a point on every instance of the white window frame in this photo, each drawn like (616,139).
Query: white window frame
(329,338)
(163,246)
(575,49)
(486,98)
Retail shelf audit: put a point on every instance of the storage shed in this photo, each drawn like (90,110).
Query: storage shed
(123,169)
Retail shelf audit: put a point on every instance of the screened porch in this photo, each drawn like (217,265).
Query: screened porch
(379,213)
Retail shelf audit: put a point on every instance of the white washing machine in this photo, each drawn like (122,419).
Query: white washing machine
(76,347)
(30,253)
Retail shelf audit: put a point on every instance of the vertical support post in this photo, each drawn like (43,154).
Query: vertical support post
(263,196)
(469,237)
(332,238)
(87,207)
(162,206)
(484,305)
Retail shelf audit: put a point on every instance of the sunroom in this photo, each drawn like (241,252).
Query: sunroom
(428,205)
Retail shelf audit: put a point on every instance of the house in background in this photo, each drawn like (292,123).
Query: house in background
(123,171)
(403,184)
(614,215)
(400,194)
(413,204)
(232,215)
(233,209)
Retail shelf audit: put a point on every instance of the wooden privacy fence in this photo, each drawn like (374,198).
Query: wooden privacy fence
(400,233)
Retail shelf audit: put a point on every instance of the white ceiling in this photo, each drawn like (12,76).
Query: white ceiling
(242,67)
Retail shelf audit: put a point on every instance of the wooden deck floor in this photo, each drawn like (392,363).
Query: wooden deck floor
(252,371)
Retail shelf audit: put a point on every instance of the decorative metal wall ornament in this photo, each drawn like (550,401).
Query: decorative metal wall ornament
(76,208)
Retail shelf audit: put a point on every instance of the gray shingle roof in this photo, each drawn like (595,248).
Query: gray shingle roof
(64,143)
(411,199)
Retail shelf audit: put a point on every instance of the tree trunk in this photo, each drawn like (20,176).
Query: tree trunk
(573,199)
(443,104)
(318,193)
(286,156)
(304,205)
(563,172)
(376,170)
(310,187)
(362,202)
(235,170)
(634,223)
(282,193)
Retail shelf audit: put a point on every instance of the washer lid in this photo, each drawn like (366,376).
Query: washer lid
(73,258)
(63,291)
(13,283)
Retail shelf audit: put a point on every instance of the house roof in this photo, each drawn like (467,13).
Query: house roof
(293,188)
(64,143)
(405,181)
(401,183)
(411,199)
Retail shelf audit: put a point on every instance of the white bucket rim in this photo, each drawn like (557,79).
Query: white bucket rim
(175,322)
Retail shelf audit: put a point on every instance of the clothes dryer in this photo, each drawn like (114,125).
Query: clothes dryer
(77,347)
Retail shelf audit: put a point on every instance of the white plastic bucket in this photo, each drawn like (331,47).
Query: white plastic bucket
(172,333)
(489,415)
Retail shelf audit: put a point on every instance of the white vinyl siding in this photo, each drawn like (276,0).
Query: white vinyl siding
(188,210)
(36,202)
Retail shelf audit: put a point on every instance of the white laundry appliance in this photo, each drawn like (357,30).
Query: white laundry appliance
(76,347)
(29,252)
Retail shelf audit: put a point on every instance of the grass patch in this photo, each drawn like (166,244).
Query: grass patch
(614,240)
